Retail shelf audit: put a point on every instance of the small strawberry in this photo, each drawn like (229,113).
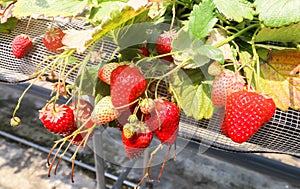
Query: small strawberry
(104,72)
(82,113)
(225,84)
(53,39)
(144,51)
(163,44)
(58,119)
(147,105)
(136,140)
(21,45)
(164,121)
(127,84)
(104,111)
(245,113)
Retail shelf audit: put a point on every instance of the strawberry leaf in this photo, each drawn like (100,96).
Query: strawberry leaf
(192,94)
(86,80)
(193,52)
(289,33)
(202,19)
(49,8)
(231,13)
(277,13)
(9,25)
(281,74)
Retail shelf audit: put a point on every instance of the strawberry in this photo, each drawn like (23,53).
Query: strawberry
(127,84)
(164,121)
(104,72)
(104,111)
(147,105)
(245,113)
(225,84)
(53,39)
(21,45)
(144,51)
(136,140)
(58,119)
(163,44)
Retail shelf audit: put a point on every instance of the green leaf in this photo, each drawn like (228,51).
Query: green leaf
(193,52)
(193,95)
(9,25)
(289,33)
(277,13)
(49,8)
(202,19)
(234,10)
(98,13)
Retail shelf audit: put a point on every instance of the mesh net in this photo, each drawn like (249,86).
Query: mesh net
(280,135)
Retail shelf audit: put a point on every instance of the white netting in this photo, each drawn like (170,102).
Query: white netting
(280,135)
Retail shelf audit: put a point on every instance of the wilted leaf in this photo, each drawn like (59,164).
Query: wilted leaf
(49,8)
(289,33)
(277,13)
(229,9)
(280,80)
(77,39)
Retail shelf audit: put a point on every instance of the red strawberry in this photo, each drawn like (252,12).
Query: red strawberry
(163,44)
(53,39)
(104,72)
(164,121)
(21,45)
(127,84)
(59,120)
(246,112)
(82,112)
(144,51)
(136,143)
(104,111)
(225,84)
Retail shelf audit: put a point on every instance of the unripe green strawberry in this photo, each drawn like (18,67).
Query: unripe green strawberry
(104,72)
(104,111)
(58,119)
(147,105)
(225,84)
(21,45)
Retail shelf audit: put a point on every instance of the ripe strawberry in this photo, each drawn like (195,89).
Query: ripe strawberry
(135,143)
(82,112)
(144,51)
(127,84)
(164,121)
(104,72)
(246,112)
(58,119)
(225,84)
(104,111)
(163,44)
(21,45)
(53,39)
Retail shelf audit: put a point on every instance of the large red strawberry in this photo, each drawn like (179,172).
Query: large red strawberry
(58,119)
(104,111)
(127,84)
(245,113)
(21,45)
(164,121)
(136,141)
(225,84)
(104,72)
(53,39)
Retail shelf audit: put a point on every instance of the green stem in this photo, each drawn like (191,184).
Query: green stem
(228,39)
(256,57)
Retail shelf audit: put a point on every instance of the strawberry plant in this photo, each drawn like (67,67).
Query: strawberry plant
(194,57)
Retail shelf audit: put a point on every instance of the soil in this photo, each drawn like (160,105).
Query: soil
(26,168)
